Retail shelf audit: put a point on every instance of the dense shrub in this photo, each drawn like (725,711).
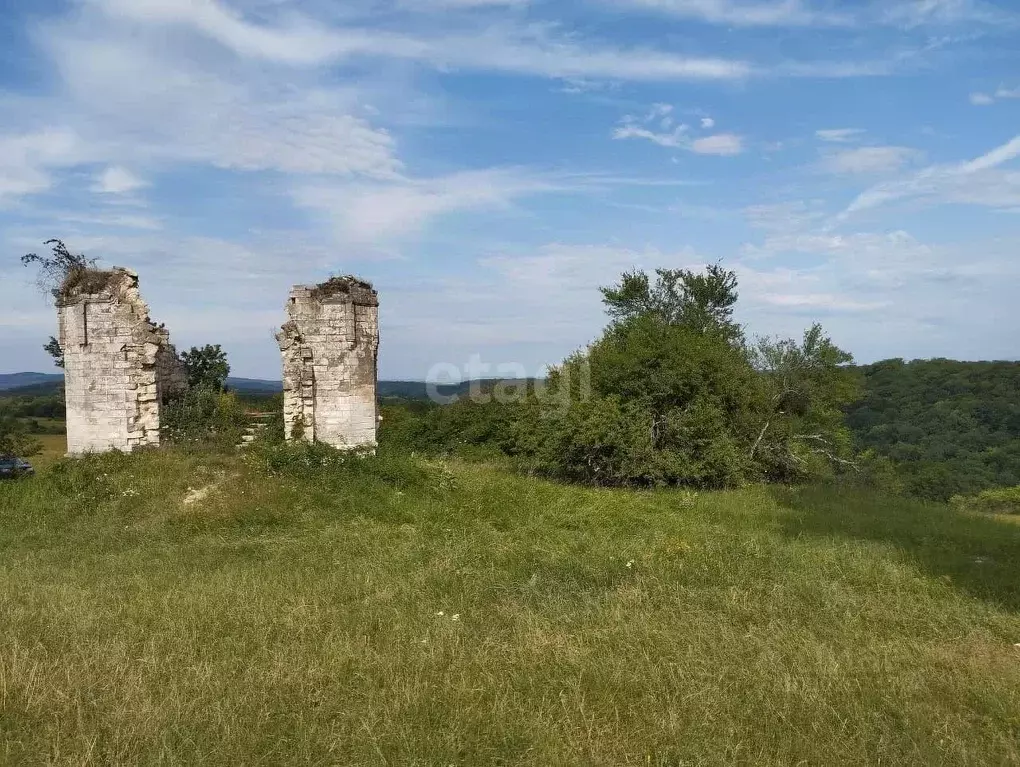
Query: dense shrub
(666,405)
(1005,500)
(203,414)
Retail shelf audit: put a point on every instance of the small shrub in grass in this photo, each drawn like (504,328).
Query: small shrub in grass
(1004,500)
(87,479)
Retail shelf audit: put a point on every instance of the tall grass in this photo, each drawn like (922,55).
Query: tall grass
(286,607)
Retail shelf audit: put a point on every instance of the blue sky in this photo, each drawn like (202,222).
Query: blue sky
(489,163)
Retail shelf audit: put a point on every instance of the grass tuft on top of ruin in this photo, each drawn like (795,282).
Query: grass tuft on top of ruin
(86,281)
(65,274)
(343,284)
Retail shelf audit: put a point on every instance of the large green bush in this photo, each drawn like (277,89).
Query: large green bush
(666,405)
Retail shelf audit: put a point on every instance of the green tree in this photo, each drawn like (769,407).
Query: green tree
(52,348)
(808,384)
(673,398)
(667,405)
(703,302)
(207,367)
(15,439)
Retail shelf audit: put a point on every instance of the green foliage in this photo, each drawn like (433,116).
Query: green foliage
(29,406)
(679,297)
(52,348)
(15,439)
(807,385)
(951,428)
(329,467)
(668,404)
(1003,500)
(466,427)
(207,367)
(668,395)
(204,414)
(675,398)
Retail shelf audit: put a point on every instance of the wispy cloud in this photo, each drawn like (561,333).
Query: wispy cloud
(27,159)
(976,182)
(987,99)
(840,135)
(804,13)
(868,160)
(528,49)
(783,13)
(392,210)
(659,127)
(117,180)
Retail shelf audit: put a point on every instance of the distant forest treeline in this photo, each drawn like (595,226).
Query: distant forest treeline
(948,427)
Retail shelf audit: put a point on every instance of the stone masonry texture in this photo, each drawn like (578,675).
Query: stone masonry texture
(118,367)
(330,346)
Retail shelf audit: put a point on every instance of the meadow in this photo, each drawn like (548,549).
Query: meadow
(287,606)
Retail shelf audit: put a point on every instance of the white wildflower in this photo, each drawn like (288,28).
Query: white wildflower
(456,617)
(440,613)
(630,563)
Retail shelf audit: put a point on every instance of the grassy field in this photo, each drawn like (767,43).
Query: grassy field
(172,608)
(54,447)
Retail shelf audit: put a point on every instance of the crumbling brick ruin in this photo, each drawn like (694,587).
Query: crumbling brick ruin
(118,366)
(330,346)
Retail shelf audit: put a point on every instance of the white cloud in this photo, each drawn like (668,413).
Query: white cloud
(868,160)
(525,50)
(916,13)
(27,159)
(826,301)
(839,135)
(976,182)
(140,103)
(722,144)
(676,137)
(996,157)
(117,180)
(460,4)
(110,220)
(707,123)
(387,211)
(785,13)
(804,13)
(986,99)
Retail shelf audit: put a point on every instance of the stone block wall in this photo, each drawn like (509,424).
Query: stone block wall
(330,346)
(118,366)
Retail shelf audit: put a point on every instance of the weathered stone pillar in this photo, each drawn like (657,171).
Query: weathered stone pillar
(118,365)
(330,346)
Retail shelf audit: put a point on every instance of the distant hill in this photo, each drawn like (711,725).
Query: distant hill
(254,385)
(41,384)
(19,380)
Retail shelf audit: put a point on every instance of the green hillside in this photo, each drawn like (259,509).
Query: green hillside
(291,607)
(951,427)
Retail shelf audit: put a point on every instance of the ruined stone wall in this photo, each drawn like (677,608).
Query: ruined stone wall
(330,346)
(118,367)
